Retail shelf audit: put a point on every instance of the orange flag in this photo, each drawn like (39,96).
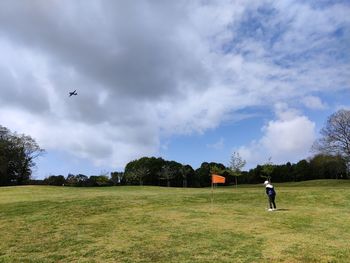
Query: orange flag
(217,179)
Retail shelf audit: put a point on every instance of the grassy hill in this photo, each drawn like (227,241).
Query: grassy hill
(153,224)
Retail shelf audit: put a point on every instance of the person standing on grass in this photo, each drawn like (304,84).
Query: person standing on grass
(271,193)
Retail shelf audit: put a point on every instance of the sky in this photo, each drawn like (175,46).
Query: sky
(190,81)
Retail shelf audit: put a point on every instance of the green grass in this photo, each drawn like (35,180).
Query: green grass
(152,224)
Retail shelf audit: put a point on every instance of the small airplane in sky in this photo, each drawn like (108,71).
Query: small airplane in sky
(73,93)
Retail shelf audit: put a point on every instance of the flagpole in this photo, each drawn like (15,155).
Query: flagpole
(212,193)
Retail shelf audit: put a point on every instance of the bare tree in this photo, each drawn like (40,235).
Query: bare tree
(236,164)
(335,138)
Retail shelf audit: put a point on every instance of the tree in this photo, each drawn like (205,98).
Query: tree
(267,169)
(167,173)
(99,180)
(327,167)
(153,166)
(81,180)
(302,171)
(141,173)
(235,165)
(335,138)
(71,180)
(185,171)
(190,176)
(203,173)
(117,178)
(17,155)
(216,170)
(58,180)
(137,173)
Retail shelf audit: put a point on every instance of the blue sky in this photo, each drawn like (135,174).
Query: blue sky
(189,81)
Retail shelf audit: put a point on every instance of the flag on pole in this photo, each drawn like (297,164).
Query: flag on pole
(217,179)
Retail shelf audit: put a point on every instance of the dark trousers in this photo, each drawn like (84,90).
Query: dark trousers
(272,201)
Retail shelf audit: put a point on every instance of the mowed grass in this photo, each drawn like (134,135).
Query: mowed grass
(159,224)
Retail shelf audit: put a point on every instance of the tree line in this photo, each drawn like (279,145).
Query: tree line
(159,172)
(321,166)
(80,180)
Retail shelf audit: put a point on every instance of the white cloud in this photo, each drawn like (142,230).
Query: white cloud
(287,138)
(103,144)
(314,103)
(219,145)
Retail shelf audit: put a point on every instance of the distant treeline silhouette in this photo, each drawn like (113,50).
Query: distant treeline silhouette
(159,172)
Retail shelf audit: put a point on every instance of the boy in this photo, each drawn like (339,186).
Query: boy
(270,191)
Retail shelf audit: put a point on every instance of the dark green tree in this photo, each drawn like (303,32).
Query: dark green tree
(17,156)
(117,178)
(186,172)
(81,180)
(302,171)
(203,173)
(137,172)
(167,173)
(58,180)
(328,167)
(153,167)
(141,173)
(99,180)
(71,180)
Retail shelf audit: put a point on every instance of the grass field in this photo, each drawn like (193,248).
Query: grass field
(152,224)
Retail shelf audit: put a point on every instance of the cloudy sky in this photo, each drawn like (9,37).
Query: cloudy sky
(189,81)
